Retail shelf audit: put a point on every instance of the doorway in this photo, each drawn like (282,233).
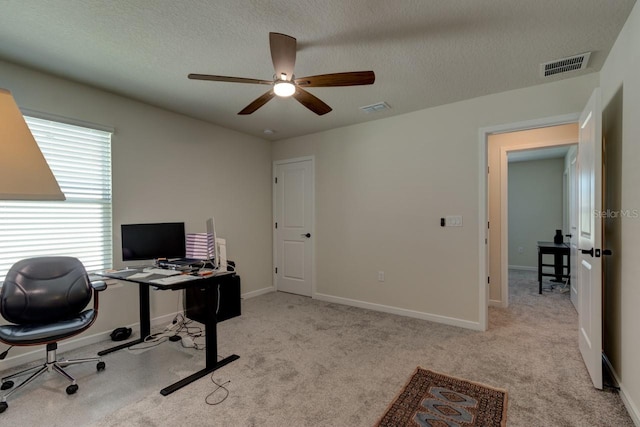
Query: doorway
(518,145)
(589,280)
(540,185)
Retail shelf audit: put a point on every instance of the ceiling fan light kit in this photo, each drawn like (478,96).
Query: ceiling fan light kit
(283,55)
(284,88)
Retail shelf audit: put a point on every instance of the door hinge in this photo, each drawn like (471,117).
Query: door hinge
(488,279)
(276,225)
(488,224)
(276,178)
(276,270)
(487,169)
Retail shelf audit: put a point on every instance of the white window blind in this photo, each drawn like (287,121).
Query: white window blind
(80,159)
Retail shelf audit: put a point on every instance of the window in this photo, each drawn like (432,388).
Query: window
(80,159)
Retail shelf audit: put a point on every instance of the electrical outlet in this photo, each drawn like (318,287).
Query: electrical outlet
(380,276)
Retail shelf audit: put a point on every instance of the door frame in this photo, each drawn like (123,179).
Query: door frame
(483,204)
(277,163)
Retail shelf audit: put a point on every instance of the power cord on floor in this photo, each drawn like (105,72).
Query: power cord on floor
(218,387)
(189,334)
(158,338)
(180,329)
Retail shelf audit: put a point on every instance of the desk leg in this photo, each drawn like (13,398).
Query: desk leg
(211,342)
(145,322)
(539,271)
(558,267)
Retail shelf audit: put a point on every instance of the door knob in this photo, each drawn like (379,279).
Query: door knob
(307,235)
(587,252)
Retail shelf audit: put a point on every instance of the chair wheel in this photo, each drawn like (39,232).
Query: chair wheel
(3,407)
(6,385)
(72,388)
(100,366)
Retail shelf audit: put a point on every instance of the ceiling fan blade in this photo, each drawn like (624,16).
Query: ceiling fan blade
(283,54)
(259,102)
(354,78)
(311,102)
(228,79)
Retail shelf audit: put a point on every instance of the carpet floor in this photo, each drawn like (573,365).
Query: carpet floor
(305,362)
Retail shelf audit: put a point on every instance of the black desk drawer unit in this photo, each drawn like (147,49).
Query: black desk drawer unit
(228,303)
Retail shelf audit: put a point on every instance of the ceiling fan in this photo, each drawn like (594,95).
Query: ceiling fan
(284,83)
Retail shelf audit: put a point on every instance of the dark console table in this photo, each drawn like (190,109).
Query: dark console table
(561,254)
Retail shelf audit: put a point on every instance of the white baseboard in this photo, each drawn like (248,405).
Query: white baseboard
(522,267)
(497,303)
(39,352)
(401,311)
(632,408)
(259,292)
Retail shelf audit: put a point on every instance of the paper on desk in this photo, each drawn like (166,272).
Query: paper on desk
(139,275)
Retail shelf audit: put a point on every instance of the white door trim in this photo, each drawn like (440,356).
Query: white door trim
(483,135)
(313,218)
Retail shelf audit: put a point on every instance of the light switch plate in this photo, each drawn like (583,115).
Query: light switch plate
(453,221)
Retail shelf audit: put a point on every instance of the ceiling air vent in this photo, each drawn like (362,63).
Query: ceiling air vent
(374,108)
(572,63)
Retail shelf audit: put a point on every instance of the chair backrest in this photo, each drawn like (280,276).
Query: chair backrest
(44,290)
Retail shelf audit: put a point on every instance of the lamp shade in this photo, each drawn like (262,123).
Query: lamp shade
(24,172)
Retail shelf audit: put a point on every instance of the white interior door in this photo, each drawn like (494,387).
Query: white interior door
(573,228)
(293,227)
(589,259)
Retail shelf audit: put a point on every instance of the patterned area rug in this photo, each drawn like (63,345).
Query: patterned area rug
(437,400)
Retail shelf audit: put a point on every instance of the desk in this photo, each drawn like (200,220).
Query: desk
(209,284)
(559,251)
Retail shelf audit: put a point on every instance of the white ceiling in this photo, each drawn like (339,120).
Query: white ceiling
(424,52)
(538,154)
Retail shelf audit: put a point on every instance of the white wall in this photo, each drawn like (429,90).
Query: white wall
(620,83)
(382,187)
(535,207)
(166,167)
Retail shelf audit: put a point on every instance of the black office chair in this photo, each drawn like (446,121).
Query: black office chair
(44,299)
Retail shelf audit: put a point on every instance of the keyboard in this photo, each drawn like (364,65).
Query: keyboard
(170,280)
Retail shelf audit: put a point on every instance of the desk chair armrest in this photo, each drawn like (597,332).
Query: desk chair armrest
(99,285)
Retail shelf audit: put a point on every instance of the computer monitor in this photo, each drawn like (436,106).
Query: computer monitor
(153,241)
(211,230)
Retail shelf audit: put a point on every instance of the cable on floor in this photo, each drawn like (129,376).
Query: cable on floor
(218,387)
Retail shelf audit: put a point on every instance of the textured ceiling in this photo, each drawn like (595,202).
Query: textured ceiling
(424,52)
(537,154)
